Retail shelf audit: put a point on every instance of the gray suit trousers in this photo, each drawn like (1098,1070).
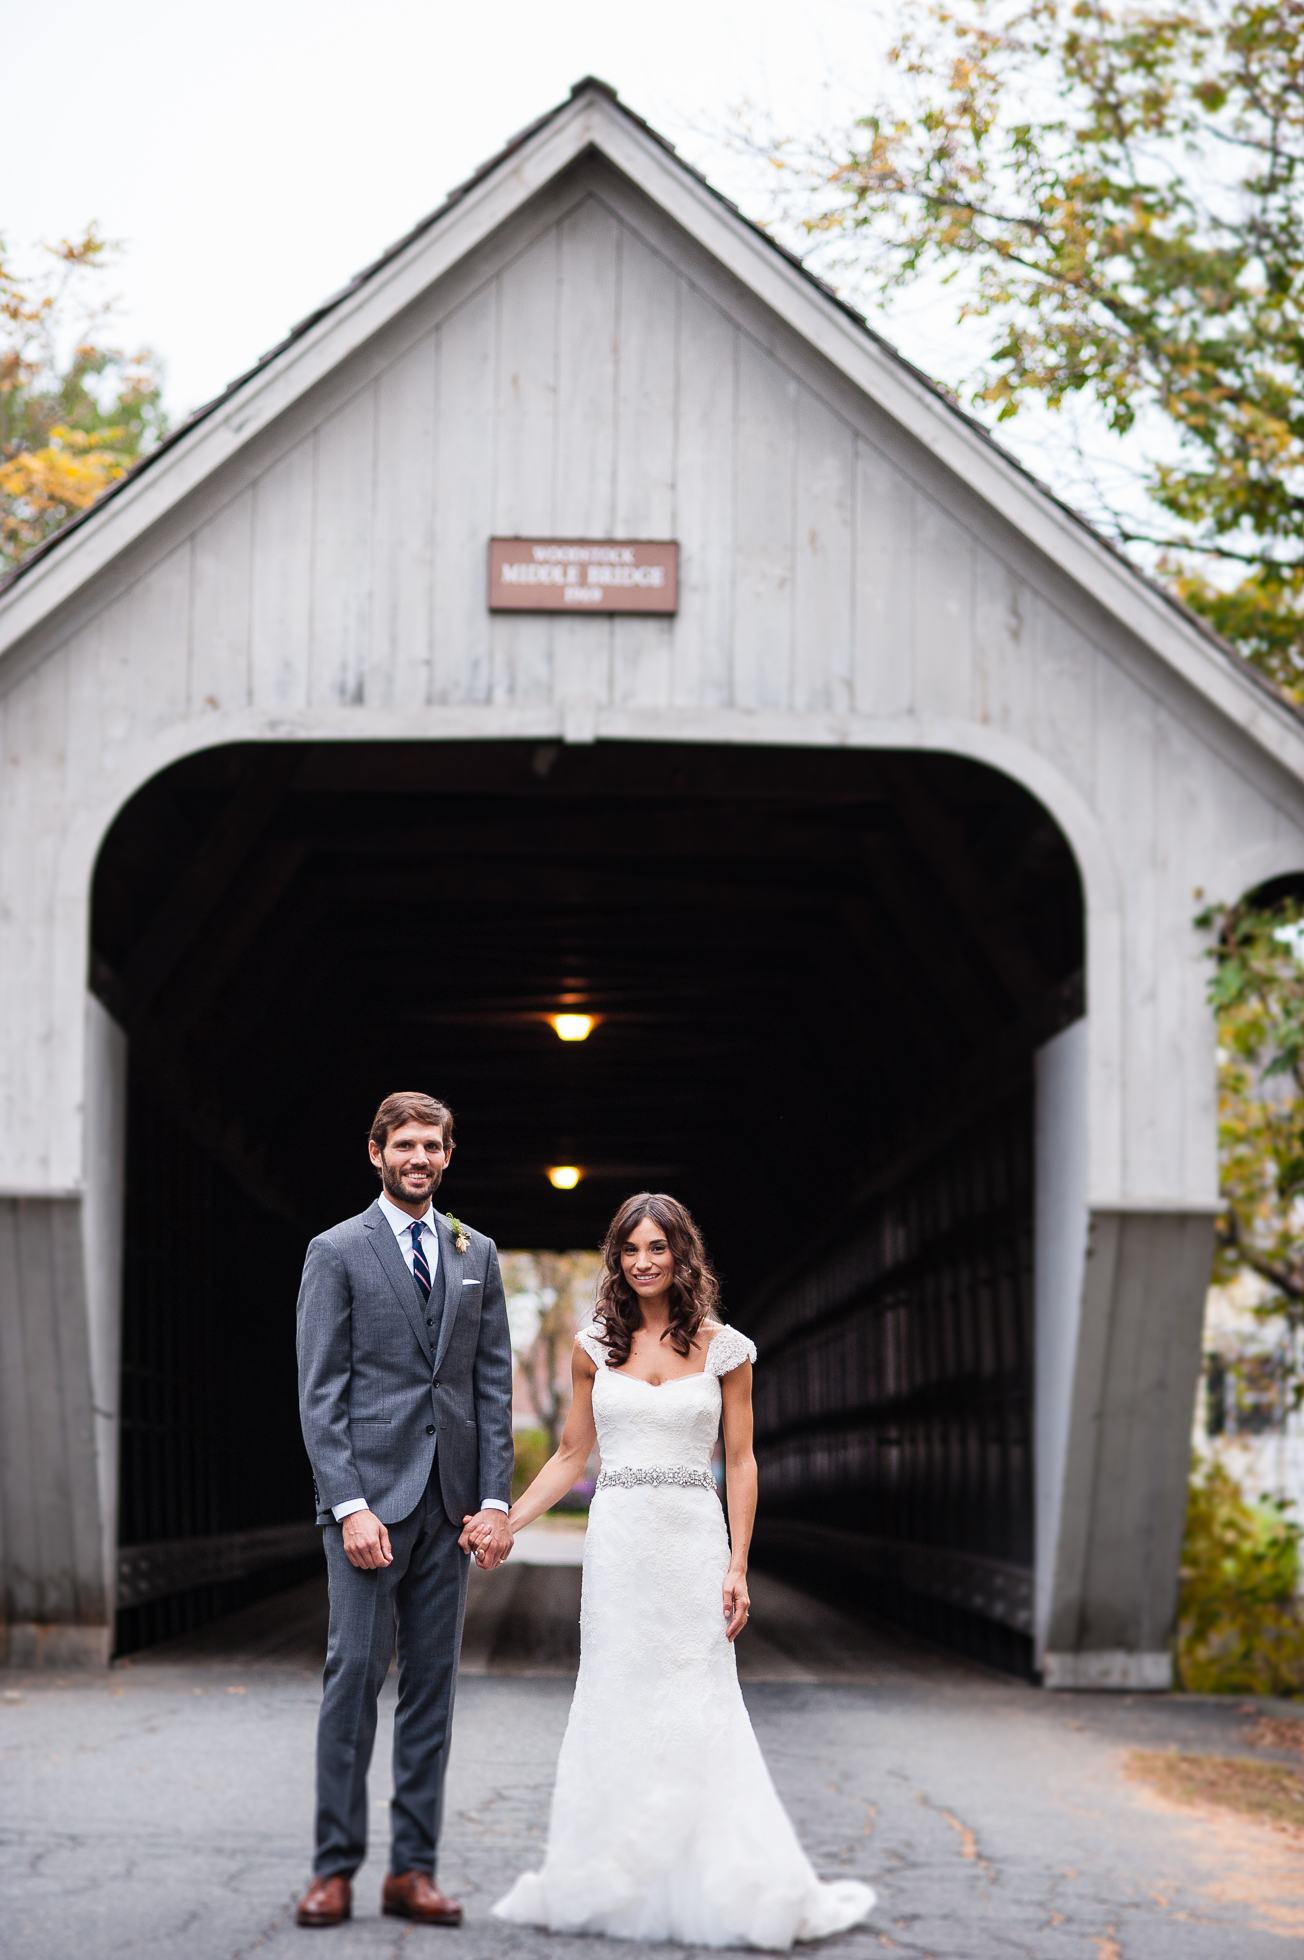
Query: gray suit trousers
(422,1598)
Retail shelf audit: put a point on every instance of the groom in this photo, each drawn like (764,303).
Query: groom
(405,1396)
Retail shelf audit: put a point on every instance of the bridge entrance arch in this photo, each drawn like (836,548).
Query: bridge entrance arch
(815,977)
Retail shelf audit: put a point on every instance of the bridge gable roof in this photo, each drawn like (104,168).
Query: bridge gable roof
(593,120)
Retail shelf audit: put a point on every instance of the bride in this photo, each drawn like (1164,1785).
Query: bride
(665,1824)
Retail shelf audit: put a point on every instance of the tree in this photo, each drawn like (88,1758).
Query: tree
(75,413)
(1241,1625)
(550,1294)
(1117,192)
(547,1361)
(1257,991)
(1240,1629)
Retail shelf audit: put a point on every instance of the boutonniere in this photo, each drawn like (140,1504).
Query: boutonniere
(461,1243)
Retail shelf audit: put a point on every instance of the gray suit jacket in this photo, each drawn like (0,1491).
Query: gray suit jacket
(386,1380)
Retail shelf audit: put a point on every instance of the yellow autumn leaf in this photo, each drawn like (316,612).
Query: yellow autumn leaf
(50,477)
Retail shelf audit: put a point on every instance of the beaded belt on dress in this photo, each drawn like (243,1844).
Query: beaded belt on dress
(626,1478)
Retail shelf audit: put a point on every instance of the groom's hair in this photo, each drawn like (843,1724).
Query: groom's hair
(409,1106)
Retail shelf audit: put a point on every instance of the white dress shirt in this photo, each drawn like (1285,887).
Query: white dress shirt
(401,1223)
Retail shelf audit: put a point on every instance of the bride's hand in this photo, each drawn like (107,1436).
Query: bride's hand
(737,1604)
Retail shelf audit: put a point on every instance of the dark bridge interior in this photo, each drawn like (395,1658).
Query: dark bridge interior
(820,978)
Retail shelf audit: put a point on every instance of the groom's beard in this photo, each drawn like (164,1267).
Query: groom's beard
(393,1186)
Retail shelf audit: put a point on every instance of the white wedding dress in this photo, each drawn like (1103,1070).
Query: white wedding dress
(665,1824)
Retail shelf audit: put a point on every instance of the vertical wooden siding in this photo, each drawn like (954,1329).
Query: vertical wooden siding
(589,388)
(50,1531)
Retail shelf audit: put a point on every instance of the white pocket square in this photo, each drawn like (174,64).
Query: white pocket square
(470,1282)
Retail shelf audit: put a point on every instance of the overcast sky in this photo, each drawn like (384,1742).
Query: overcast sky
(251,157)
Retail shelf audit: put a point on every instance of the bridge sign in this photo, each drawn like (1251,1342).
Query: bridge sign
(583,575)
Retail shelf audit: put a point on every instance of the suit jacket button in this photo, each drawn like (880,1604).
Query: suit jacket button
(430,1323)
(430,1429)
(436,1383)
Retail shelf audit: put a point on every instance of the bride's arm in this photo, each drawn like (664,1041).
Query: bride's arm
(740,1487)
(577,1439)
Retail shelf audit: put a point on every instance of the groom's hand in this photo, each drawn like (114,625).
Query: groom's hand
(366,1541)
(489,1536)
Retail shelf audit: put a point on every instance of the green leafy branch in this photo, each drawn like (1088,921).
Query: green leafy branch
(1119,192)
(1257,992)
(75,412)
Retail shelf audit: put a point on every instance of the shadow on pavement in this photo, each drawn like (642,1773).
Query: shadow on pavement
(524,1620)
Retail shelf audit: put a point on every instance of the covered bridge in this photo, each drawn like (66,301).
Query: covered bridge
(875,859)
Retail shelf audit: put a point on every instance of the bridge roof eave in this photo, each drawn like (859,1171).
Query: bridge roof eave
(593,119)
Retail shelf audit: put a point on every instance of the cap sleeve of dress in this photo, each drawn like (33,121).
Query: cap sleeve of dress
(593,1345)
(728,1350)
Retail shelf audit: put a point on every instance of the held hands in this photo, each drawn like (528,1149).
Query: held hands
(489,1536)
(366,1541)
(737,1604)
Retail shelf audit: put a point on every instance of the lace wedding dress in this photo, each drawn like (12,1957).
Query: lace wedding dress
(665,1824)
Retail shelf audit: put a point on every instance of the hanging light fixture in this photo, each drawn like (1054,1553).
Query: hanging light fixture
(564,1177)
(573,1027)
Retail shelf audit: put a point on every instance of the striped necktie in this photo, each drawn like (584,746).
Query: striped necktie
(420,1270)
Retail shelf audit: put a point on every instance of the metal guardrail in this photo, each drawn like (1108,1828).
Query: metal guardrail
(994,1588)
(894,1390)
(174,1565)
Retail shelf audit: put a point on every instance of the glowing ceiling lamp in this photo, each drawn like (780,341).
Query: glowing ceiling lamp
(573,1027)
(564,1177)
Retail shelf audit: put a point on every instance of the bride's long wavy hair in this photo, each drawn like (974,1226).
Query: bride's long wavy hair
(694,1289)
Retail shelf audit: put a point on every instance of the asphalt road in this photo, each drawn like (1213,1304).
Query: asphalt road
(164,1808)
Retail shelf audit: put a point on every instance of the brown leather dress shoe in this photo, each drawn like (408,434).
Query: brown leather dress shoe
(327,1902)
(414,1895)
